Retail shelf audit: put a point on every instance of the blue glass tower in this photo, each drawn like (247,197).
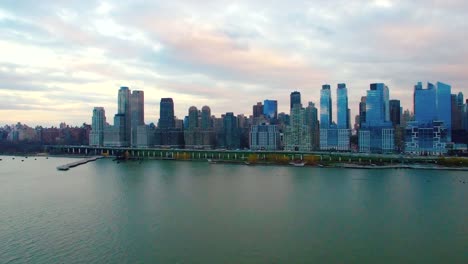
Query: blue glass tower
(270,109)
(342,106)
(377,133)
(425,103)
(325,107)
(377,105)
(444,106)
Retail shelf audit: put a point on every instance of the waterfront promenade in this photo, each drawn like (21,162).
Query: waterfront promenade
(317,158)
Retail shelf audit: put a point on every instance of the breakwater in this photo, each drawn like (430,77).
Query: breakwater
(77,163)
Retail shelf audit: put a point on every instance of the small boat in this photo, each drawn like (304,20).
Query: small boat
(211,161)
(297,164)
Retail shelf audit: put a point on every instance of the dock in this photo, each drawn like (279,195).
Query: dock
(78,163)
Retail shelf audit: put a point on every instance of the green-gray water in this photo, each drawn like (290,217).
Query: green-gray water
(195,212)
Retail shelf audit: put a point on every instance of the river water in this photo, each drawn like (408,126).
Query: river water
(195,212)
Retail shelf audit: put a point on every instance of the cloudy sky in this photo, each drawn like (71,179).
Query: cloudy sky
(59,59)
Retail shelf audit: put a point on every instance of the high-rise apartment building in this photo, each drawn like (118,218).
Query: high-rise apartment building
(124,109)
(395,112)
(295,98)
(257,110)
(206,122)
(334,136)
(376,135)
(444,106)
(362,111)
(311,120)
(377,105)
(342,107)
(96,136)
(166,114)
(231,131)
(297,136)
(264,137)
(137,114)
(325,107)
(270,110)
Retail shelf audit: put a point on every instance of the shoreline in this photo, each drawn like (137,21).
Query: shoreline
(414,166)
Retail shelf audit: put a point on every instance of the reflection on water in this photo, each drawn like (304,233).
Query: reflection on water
(184,212)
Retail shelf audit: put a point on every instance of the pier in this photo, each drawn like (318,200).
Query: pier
(78,163)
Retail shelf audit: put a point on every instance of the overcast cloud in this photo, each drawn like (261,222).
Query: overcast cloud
(59,59)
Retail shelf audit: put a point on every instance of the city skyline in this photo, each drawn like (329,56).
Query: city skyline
(126,95)
(59,60)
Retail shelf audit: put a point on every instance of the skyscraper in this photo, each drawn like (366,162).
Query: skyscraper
(362,111)
(325,107)
(460,100)
(342,106)
(456,113)
(206,122)
(96,137)
(377,105)
(192,134)
(377,134)
(124,109)
(231,131)
(444,107)
(257,110)
(137,110)
(395,112)
(270,110)
(166,114)
(297,136)
(193,118)
(425,103)
(295,98)
(311,120)
(465,115)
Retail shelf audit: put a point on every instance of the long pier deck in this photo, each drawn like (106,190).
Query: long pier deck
(78,163)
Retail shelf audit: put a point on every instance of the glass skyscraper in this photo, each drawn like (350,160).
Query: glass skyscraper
(124,109)
(362,111)
(342,106)
(231,131)
(444,107)
(377,105)
(137,112)
(395,112)
(270,110)
(295,98)
(425,103)
(377,134)
(166,113)
(96,136)
(325,107)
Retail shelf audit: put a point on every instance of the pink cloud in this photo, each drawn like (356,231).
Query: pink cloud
(207,47)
